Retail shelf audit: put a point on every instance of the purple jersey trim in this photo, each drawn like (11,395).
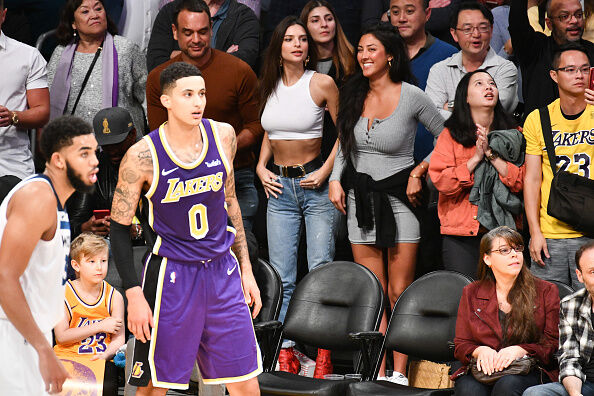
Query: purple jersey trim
(187,207)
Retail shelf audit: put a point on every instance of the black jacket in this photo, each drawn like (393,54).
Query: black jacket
(367,190)
(535,51)
(240,27)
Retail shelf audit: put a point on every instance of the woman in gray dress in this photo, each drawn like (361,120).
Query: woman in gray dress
(87,41)
(377,123)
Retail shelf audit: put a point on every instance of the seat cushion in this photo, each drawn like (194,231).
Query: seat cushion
(281,383)
(387,388)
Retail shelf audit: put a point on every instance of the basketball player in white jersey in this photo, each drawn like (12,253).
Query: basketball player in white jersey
(34,247)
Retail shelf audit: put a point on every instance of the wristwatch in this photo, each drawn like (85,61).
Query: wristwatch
(15,118)
(491,155)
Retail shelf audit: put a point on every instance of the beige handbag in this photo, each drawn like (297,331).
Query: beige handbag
(429,375)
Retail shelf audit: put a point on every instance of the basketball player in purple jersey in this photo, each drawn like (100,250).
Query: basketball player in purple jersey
(34,250)
(197,280)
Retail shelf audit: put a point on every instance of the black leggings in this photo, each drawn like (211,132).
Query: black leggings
(509,385)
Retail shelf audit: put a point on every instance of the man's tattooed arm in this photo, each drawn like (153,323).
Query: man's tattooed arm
(136,170)
(229,140)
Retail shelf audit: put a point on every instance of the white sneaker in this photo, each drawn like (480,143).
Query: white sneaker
(397,378)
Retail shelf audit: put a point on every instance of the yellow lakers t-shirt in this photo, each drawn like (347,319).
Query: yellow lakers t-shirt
(574,148)
(84,313)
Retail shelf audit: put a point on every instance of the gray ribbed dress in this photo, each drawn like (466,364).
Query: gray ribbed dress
(385,149)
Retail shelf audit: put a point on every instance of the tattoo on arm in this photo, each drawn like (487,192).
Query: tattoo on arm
(240,245)
(133,170)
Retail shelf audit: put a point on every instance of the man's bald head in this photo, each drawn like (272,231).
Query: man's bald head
(565,19)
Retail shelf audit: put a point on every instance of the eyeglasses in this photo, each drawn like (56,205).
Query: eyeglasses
(468,30)
(505,250)
(579,15)
(574,69)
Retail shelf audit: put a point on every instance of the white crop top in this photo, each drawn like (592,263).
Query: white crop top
(290,112)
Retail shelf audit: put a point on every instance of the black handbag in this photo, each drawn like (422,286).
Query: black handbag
(571,198)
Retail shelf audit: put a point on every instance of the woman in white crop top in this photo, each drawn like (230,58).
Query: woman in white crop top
(294,98)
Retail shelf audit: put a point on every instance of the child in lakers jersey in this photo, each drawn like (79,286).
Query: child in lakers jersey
(93,323)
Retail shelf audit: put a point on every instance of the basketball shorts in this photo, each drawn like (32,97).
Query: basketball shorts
(19,363)
(199,313)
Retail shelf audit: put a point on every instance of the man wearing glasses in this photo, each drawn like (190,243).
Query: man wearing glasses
(471,27)
(553,243)
(535,50)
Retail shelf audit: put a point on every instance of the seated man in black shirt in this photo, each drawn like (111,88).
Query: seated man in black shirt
(115,134)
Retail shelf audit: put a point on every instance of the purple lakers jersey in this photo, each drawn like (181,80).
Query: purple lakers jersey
(187,207)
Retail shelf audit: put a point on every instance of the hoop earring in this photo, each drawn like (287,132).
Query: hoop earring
(306,61)
(390,62)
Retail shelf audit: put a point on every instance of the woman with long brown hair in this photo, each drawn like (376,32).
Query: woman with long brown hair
(294,98)
(335,55)
(505,315)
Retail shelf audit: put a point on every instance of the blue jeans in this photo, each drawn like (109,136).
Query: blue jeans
(508,385)
(247,196)
(557,389)
(283,221)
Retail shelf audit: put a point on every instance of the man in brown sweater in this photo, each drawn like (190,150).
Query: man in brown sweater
(231,89)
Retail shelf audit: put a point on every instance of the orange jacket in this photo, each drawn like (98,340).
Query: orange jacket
(450,175)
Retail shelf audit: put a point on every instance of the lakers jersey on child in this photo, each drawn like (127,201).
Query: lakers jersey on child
(192,280)
(84,313)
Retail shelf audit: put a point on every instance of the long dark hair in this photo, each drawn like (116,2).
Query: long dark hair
(272,66)
(522,296)
(342,56)
(355,90)
(461,125)
(64,31)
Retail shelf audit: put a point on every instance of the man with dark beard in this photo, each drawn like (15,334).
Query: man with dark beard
(34,248)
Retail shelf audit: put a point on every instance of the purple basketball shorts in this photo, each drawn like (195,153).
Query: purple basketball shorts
(199,313)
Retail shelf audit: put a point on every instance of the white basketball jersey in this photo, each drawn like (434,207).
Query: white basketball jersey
(43,280)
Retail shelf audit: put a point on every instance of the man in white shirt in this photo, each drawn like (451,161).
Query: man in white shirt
(136,22)
(24,102)
(471,27)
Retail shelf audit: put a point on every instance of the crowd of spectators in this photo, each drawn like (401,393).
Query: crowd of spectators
(417,138)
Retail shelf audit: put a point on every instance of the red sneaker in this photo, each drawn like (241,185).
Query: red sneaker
(287,361)
(323,363)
